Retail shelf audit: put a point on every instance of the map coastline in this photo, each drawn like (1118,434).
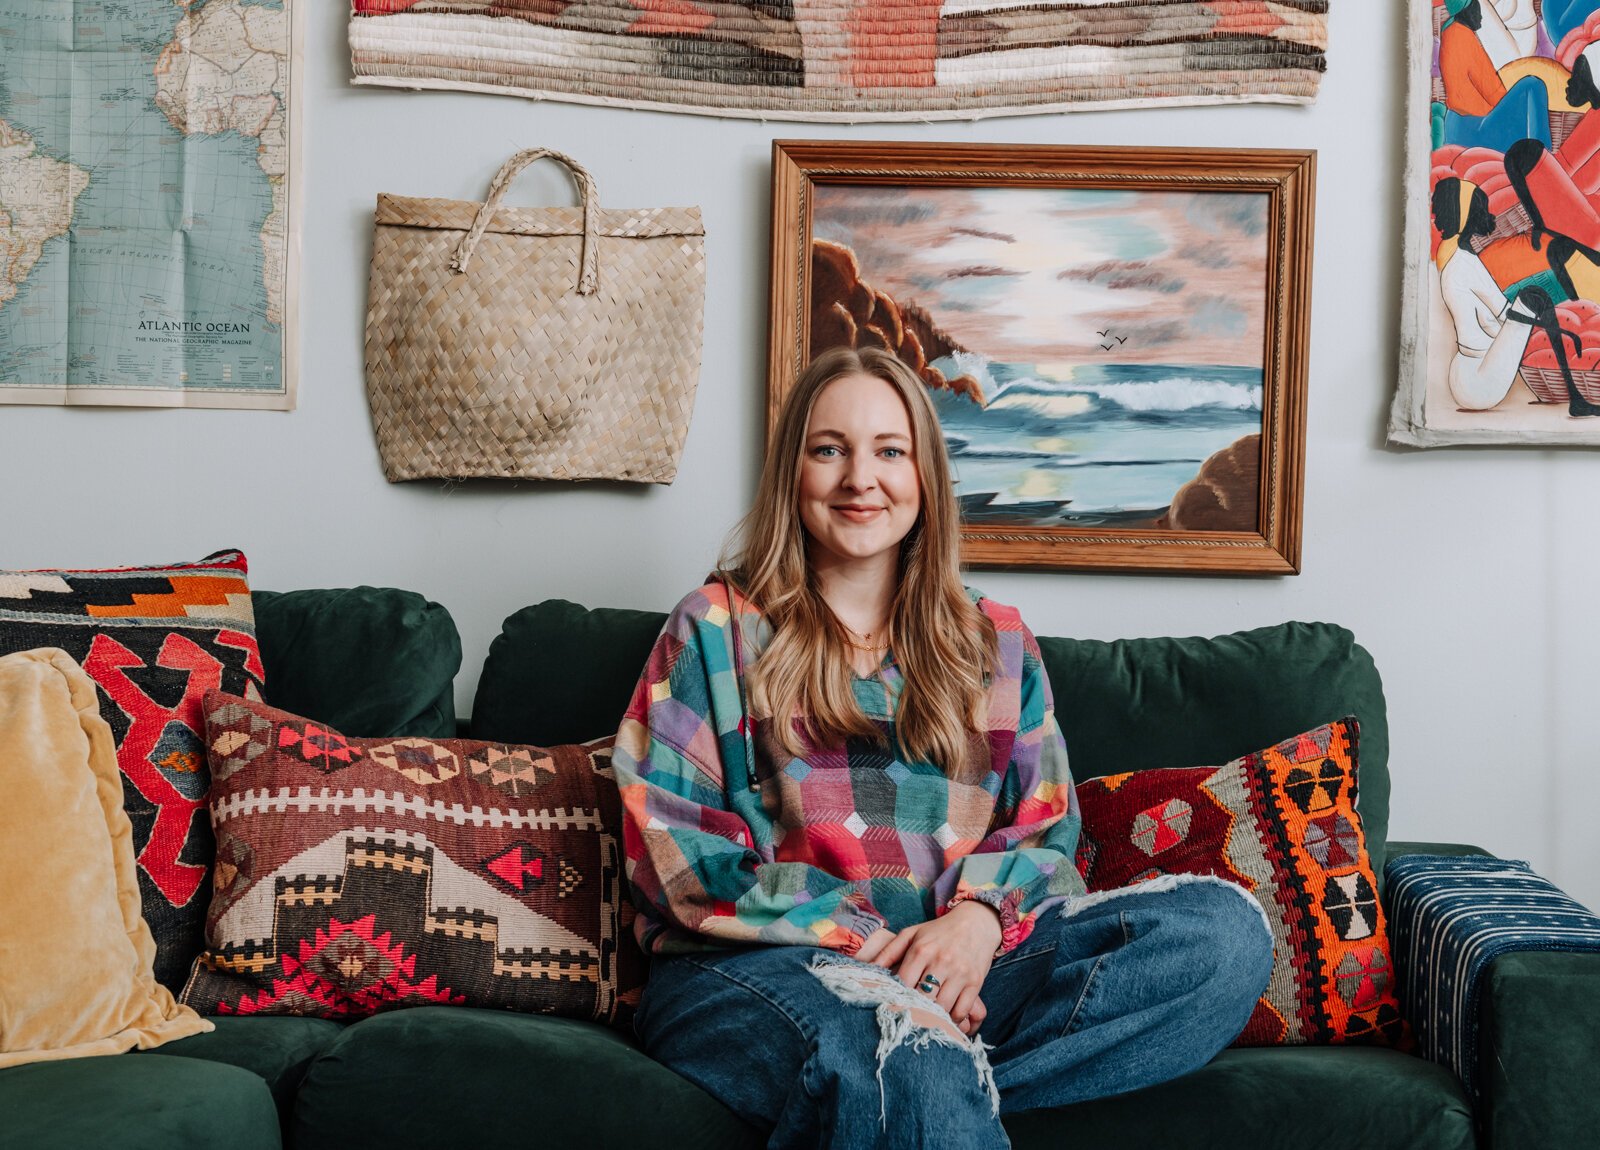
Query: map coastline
(173,282)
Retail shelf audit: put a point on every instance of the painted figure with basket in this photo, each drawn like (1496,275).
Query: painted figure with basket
(1515,205)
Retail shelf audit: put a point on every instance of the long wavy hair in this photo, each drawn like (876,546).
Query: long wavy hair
(946,648)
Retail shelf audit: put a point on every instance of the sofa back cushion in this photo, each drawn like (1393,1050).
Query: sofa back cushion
(559,673)
(368,661)
(1139,704)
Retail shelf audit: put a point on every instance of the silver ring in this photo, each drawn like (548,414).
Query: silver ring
(929,983)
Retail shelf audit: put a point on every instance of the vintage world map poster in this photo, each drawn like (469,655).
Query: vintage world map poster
(149,223)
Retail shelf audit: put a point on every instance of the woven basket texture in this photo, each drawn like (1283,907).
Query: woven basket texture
(1550,386)
(533,343)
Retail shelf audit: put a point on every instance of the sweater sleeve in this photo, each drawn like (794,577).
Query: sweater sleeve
(1028,856)
(693,861)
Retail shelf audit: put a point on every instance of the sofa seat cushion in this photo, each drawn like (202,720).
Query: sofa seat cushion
(135,1102)
(457,1076)
(277,1050)
(1271,1098)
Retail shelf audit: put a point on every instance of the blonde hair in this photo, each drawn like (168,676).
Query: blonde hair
(946,648)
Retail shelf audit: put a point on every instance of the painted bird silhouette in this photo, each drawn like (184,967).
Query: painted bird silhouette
(1103,334)
(1108,346)
(1122,339)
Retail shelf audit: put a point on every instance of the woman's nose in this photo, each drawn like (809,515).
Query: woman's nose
(858,474)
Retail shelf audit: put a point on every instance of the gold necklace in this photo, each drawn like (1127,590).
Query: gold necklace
(865,635)
(859,647)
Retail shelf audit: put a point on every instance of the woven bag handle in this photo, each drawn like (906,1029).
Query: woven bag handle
(589,275)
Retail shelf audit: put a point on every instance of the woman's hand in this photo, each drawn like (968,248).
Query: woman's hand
(957,949)
(874,945)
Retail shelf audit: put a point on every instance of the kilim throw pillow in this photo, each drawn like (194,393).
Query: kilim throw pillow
(154,640)
(360,875)
(1282,823)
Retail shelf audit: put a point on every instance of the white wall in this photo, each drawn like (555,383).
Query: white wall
(1466,572)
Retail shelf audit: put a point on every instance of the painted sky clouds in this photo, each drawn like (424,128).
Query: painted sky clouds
(1034,276)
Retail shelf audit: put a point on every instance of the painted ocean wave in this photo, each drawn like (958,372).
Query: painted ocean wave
(1057,442)
(960,450)
(1142,388)
(1169,394)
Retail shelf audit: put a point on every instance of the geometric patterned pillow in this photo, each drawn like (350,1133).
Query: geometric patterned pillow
(361,875)
(154,640)
(1282,823)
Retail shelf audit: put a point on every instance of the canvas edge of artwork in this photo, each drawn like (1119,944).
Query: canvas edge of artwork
(1407,420)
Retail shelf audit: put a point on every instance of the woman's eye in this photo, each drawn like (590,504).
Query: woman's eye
(822,452)
(893,452)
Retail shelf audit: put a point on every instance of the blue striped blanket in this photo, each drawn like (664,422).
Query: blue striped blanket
(1449,918)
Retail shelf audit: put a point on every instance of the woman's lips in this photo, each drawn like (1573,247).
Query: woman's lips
(859,514)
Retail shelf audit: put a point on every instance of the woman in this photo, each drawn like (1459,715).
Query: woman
(850,827)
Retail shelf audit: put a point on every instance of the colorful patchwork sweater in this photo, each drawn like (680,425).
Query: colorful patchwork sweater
(731,840)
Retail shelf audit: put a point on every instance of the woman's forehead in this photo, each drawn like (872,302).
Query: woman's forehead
(856,401)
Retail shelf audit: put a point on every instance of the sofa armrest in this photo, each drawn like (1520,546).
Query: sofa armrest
(1538,1041)
(1499,973)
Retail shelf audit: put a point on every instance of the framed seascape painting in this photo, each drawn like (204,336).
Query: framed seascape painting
(1500,332)
(1115,338)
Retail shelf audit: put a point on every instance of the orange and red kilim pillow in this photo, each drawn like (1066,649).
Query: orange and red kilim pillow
(361,875)
(154,639)
(1282,823)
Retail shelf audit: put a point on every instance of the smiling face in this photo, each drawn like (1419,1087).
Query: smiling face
(859,492)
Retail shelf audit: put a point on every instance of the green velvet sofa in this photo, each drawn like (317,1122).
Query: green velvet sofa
(377,662)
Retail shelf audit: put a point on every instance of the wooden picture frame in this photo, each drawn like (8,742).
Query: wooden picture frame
(944,242)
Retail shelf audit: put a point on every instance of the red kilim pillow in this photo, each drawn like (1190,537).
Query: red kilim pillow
(360,875)
(154,640)
(1281,823)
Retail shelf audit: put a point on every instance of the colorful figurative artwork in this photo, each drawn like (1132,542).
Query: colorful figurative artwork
(1095,356)
(1503,275)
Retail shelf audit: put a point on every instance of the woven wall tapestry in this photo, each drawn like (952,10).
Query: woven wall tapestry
(850,60)
(1500,327)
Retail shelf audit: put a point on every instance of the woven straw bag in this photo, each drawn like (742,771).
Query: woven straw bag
(533,343)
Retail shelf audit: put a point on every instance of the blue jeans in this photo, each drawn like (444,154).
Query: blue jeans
(1111,993)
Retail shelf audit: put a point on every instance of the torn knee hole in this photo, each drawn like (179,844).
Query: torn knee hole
(931,1020)
(905,1018)
(862,985)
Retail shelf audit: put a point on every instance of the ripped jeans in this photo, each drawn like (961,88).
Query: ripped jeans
(1110,993)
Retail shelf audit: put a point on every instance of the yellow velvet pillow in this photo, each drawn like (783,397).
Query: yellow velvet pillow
(75,953)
